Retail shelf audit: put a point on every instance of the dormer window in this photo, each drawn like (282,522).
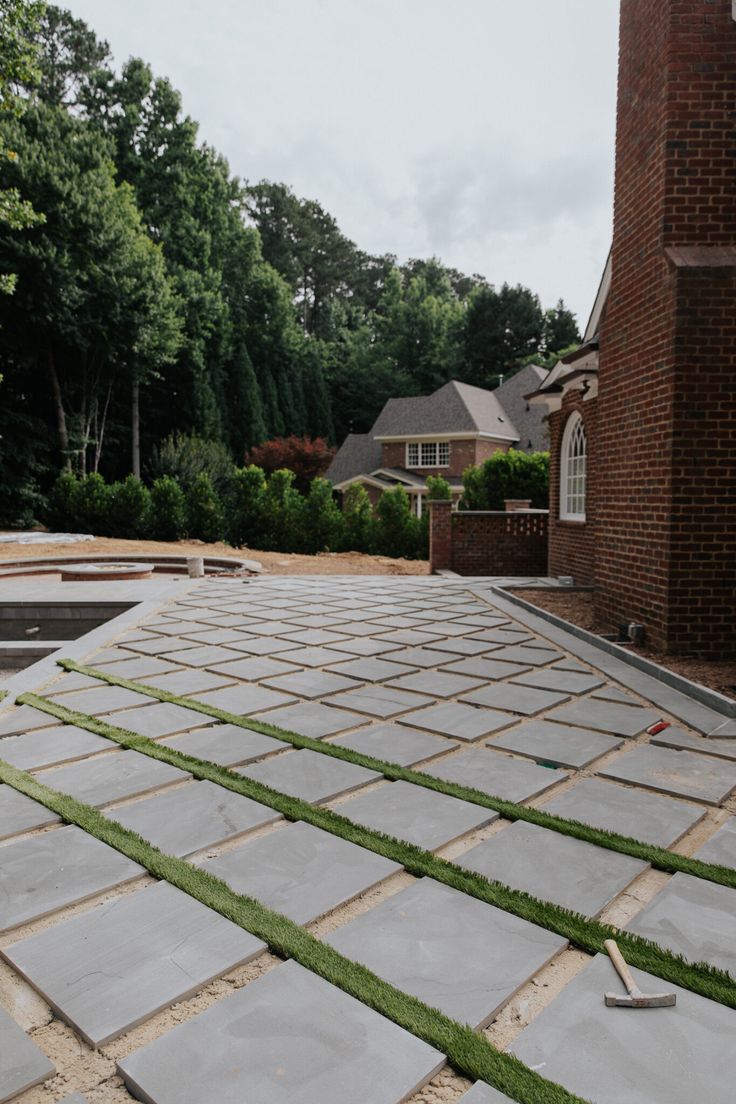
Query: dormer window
(427,454)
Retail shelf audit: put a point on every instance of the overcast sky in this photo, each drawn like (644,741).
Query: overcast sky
(480,131)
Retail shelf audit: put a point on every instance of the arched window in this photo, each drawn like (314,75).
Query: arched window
(573,461)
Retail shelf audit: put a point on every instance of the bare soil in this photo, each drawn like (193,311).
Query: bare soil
(275,563)
(577,608)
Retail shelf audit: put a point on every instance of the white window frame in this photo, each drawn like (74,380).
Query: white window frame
(573,469)
(427,454)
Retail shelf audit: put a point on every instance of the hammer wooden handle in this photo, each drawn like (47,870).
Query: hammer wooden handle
(621,968)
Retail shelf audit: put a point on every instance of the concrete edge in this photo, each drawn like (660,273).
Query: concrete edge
(38,674)
(695,705)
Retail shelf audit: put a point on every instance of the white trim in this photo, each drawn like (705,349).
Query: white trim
(446,437)
(573,434)
(601,299)
(359,479)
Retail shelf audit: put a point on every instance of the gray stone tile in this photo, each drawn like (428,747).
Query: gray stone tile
(455,953)
(526,655)
(621,720)
(679,1055)
(207,655)
(46,872)
(182,821)
(569,682)
(720,848)
(312,719)
(370,669)
(138,666)
(310,683)
(395,744)
(112,968)
(361,628)
(612,693)
(419,657)
(724,731)
(484,1094)
(254,668)
(314,636)
(163,646)
(503,636)
(216,636)
(112,777)
(693,918)
(677,738)
(465,646)
(23,718)
(683,773)
(263,646)
(225,744)
(320,621)
(518,699)
(19,813)
(48,746)
(298,1039)
(568,664)
(102,700)
(553,867)
(379,700)
(416,815)
(310,775)
(158,719)
(437,684)
(22,1063)
(465,722)
(187,681)
(74,681)
(366,646)
(245,698)
(409,637)
(301,871)
(445,628)
(315,657)
(398,621)
(658,820)
(496,774)
(556,744)
(485,668)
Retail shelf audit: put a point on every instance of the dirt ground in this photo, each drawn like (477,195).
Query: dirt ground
(577,607)
(276,563)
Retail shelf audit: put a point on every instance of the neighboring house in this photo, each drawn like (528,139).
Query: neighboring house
(643,415)
(438,434)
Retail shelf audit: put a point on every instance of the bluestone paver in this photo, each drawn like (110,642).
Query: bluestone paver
(301,871)
(314,636)
(484,1094)
(608,1055)
(409,637)
(437,684)
(158,719)
(138,666)
(264,646)
(370,669)
(310,683)
(312,719)
(484,668)
(187,681)
(693,918)
(112,777)
(24,718)
(612,693)
(310,775)
(22,1063)
(297,1039)
(496,774)
(465,646)
(366,646)
(253,668)
(620,720)
(683,773)
(569,872)
(455,953)
(113,967)
(464,722)
(416,815)
(652,819)
(180,822)
(557,744)
(48,746)
(568,682)
(245,698)
(46,872)
(503,636)
(395,744)
(516,699)
(316,657)
(379,700)
(225,744)
(677,738)
(206,655)
(525,654)
(720,848)
(419,657)
(19,813)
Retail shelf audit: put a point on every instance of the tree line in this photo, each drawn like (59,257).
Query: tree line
(147,291)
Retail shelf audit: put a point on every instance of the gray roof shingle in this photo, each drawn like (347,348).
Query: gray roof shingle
(454,408)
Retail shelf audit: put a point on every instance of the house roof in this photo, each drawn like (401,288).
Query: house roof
(530,421)
(358,453)
(454,408)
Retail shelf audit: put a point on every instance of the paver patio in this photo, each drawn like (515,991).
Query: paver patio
(22,1063)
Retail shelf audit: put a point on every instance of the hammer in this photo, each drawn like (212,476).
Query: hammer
(635,998)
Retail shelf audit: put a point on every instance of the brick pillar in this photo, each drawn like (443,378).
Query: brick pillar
(440,535)
(513,505)
(666,488)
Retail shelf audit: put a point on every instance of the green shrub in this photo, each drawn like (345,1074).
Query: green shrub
(204,510)
(511,474)
(94,502)
(62,514)
(167,516)
(324,526)
(438,489)
(246,508)
(185,457)
(359,523)
(284,513)
(395,527)
(130,503)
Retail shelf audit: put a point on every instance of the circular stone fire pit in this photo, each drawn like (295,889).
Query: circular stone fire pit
(86,572)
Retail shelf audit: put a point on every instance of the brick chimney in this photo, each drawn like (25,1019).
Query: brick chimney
(666,477)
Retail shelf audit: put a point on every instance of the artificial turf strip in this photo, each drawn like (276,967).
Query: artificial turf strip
(467,1050)
(658,857)
(589,935)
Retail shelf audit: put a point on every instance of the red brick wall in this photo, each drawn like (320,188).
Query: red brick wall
(572,543)
(462,455)
(665,495)
(481,543)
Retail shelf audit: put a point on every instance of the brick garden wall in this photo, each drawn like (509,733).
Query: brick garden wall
(480,542)
(572,543)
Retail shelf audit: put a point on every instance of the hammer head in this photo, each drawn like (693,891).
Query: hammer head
(641,1000)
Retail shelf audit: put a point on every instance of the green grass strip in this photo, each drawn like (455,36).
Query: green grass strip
(658,857)
(589,935)
(467,1050)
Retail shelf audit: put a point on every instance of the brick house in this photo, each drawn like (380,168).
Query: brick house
(643,415)
(440,434)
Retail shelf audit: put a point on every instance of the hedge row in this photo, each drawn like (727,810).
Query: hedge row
(251,511)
